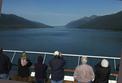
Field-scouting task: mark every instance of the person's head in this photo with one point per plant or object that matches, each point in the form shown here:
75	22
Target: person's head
24	55
57	54
1	50
40	59
104	63
83	59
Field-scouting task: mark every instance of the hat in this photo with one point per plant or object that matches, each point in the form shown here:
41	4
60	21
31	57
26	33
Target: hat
84	59
57	53
104	63
24	55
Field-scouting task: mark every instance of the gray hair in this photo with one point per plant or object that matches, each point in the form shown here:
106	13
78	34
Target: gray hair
84	59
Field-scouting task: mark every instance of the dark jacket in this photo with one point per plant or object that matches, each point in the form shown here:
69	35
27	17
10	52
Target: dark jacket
57	68
24	71
101	74
5	64
40	69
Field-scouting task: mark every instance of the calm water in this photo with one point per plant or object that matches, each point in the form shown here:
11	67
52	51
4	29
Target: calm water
76	41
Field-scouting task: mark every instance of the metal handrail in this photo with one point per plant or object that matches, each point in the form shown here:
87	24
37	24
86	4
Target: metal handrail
49	53
73	55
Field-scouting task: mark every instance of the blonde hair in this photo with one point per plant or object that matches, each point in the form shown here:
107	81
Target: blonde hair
24	55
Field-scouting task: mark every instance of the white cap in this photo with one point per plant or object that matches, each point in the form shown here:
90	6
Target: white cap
56	53
104	63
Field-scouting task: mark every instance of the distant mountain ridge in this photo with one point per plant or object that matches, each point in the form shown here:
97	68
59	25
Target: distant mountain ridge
78	22
14	21
106	22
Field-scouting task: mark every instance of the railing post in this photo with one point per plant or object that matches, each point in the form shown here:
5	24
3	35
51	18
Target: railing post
78	60
45	55
115	67
13	57
114	64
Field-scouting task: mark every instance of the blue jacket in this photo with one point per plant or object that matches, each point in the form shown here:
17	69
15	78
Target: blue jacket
57	68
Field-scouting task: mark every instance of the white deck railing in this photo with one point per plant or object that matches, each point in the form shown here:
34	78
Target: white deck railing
48	53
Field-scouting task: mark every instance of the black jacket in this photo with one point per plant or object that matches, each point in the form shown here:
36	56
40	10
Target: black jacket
24	71
101	74
40	69
57	68
5	64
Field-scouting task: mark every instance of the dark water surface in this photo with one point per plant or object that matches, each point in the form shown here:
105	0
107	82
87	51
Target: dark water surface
76	41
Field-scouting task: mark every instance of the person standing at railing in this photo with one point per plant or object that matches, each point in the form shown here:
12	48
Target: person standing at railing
57	68
23	67
40	70
84	73
5	65
102	71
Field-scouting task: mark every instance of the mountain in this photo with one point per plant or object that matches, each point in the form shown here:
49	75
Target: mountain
106	22
78	22
13	21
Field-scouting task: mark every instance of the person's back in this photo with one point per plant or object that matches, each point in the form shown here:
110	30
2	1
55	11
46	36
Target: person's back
84	72
102	72
40	70
5	65
57	68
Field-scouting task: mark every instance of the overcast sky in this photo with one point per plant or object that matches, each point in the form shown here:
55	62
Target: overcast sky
60	12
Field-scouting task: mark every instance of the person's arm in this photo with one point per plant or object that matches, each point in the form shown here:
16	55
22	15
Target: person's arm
92	74
76	73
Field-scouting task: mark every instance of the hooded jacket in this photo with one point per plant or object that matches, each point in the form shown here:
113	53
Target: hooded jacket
102	73
40	69
24	71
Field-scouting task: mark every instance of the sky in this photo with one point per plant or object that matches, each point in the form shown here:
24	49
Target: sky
60	12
